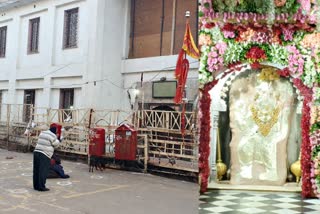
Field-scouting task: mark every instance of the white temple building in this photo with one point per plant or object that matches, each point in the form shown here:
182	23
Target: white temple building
91	53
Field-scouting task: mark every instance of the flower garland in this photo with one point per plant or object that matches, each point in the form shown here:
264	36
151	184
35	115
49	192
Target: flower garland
305	144
300	59
315	171
289	6
315	142
267	12
204	148
237	32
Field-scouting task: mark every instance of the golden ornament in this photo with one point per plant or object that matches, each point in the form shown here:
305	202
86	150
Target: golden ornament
269	74
265	126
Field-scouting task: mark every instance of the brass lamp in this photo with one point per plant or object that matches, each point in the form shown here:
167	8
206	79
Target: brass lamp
221	167
295	168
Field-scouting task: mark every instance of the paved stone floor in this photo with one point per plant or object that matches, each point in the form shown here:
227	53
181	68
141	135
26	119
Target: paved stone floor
241	202
110	191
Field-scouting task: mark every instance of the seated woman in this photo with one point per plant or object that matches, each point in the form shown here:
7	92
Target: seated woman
56	170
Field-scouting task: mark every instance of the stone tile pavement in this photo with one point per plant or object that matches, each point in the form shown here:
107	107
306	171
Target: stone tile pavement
110	191
251	202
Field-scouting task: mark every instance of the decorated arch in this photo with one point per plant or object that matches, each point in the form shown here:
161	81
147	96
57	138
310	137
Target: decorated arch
237	35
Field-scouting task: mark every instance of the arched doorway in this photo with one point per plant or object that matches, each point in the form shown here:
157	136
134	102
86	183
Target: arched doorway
259	125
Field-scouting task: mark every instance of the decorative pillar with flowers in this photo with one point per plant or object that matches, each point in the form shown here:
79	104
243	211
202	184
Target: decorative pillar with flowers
282	32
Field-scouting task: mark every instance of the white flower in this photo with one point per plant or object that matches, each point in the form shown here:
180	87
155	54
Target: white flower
210	79
225	89
203	48
310	72
223	95
279	54
201	76
216	34
202	66
228	83
317	93
233	52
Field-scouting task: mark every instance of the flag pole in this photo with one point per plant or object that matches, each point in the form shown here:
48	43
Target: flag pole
184	96
182	68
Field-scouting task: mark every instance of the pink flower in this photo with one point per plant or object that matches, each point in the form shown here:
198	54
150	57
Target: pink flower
214	60
291	57
228	34
300	61
213	54
305	5
210	61
221	46
288	34
291	48
296	61
313	139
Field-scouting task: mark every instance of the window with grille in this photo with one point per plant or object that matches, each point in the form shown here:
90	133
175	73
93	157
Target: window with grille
66	102
66	98
29	100
33	42
3	41
70	33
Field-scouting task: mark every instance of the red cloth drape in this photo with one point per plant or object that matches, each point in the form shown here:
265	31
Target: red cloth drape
182	69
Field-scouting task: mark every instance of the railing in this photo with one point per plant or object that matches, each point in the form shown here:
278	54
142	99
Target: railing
76	123
164	120
167	146
15	113
172	143
107	117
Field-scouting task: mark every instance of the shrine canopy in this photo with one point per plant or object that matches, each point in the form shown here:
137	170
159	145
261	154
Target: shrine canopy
282	33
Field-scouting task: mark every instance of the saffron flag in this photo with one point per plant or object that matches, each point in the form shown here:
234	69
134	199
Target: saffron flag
188	43
182	67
